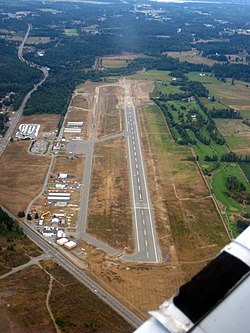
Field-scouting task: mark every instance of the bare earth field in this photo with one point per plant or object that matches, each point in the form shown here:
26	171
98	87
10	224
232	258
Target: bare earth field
109	207
110	112
74	308
22	176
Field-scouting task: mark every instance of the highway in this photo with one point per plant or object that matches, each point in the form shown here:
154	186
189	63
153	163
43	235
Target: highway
128	315
146	244
5	140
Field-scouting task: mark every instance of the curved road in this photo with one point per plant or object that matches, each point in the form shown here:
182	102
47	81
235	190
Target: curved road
4	141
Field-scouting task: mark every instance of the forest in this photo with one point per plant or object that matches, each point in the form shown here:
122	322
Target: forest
150	31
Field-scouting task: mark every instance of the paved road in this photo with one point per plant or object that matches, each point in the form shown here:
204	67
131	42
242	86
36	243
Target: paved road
80	275
4	141
146	244
32	261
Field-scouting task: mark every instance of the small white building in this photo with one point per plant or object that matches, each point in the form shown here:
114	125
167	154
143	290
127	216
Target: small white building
62	175
70	245
62	241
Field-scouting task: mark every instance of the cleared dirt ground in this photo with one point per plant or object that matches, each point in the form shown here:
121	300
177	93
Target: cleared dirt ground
21	176
110	110
110	216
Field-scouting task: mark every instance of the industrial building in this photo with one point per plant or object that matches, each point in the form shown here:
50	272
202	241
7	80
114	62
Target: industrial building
75	123
72	130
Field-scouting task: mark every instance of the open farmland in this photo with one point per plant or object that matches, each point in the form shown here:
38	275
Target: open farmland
236	96
236	133
110	113
22	176
110	217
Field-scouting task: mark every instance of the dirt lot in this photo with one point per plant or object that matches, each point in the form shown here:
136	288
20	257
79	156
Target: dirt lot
74	308
22	176
110	208
110	110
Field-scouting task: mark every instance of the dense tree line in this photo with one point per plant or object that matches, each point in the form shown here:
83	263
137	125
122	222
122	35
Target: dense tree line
242	225
8	226
232	157
227	113
3	119
16	76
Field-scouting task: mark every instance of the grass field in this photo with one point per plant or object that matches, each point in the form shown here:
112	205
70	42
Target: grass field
246	169
236	96
219	188
152	75
237	134
196	229
71	32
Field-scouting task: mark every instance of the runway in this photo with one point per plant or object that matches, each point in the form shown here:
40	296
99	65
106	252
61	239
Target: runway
146	243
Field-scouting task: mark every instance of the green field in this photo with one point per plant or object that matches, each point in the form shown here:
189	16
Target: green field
246	169
152	75
218	170
71	32
219	188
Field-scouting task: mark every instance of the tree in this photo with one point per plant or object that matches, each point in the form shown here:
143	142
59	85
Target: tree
21	214
29	217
